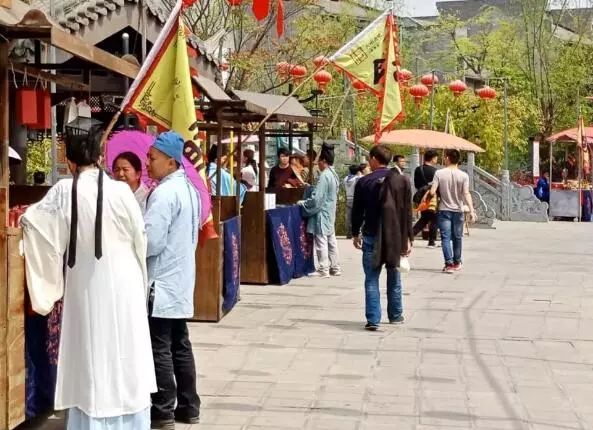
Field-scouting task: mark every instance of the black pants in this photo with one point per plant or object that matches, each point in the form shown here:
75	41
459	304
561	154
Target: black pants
175	370
427	217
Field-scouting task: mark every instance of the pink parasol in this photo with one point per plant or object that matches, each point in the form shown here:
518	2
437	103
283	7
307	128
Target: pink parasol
139	143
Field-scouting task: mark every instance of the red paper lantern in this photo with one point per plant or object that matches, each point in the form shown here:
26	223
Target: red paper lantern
26	106
419	92
43	111
320	61
298	73
323	78
457	87
429	80
358	85
486	93
405	76
283	69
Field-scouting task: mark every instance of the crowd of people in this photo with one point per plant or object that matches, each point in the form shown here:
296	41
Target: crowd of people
101	232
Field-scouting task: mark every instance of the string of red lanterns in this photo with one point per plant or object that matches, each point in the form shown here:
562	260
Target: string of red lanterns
486	93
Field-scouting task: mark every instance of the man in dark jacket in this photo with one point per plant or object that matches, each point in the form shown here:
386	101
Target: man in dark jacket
368	208
423	176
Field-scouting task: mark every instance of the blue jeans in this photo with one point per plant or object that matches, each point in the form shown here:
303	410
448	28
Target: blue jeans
451	226
371	286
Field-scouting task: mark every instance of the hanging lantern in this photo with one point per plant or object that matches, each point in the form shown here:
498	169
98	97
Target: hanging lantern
323	78
486	93
457	87
320	61
298	73
358	85
233	3
429	80
419	92
405	76
283	69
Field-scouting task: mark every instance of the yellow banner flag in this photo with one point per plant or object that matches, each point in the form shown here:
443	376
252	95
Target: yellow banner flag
166	96
390	103
362	58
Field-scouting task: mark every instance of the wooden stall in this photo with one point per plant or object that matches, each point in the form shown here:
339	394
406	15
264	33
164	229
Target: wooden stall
18	20
237	111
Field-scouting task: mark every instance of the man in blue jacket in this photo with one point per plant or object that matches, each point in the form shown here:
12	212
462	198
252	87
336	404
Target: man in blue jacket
172	225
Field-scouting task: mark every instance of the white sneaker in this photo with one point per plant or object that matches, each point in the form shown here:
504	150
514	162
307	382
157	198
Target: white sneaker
318	275
335	272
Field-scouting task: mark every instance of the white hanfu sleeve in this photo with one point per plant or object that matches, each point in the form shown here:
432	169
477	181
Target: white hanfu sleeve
45	238
138	232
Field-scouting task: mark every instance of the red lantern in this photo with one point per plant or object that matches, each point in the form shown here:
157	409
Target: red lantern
43	111
298	73
323	78
26	106
457	87
320	61
405	76
358	85
419	92
429	80
486	93
283	69
233	3
187	3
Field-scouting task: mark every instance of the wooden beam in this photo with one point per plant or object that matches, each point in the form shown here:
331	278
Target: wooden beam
77	47
62	81
4	172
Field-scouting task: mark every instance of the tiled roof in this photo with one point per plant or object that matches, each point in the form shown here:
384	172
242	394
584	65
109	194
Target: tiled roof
73	15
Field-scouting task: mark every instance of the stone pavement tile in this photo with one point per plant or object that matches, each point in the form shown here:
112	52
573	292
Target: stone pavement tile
329	423
246	389
500	424
214	427
275	403
280	418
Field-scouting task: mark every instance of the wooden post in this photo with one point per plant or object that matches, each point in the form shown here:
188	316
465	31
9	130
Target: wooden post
4	173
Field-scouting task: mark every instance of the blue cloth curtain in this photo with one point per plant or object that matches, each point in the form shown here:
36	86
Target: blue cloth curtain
291	248
231	263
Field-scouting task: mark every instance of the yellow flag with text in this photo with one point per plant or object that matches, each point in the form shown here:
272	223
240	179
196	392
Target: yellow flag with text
362	58
166	96
390	103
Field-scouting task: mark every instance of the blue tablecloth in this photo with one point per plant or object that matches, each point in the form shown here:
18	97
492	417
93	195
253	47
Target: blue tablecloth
290	247
587	202
231	263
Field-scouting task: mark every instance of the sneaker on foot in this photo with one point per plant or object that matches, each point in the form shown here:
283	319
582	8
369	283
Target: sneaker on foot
448	269
318	275
457	267
335	272
398	320
432	246
371	327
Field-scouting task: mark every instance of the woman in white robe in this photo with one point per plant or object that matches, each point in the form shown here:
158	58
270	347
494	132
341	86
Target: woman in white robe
105	368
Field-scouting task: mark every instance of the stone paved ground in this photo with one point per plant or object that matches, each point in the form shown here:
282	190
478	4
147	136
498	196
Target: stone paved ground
506	344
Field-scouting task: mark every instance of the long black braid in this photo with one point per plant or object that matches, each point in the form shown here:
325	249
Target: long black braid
85	150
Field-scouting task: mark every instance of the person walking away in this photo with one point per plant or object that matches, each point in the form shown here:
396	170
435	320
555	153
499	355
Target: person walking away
249	172
320	208
349	184
423	177
367	210
127	168
172	226
400	163
105	371
452	185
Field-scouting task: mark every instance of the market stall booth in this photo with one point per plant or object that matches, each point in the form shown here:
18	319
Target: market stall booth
274	244
569	167
25	337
